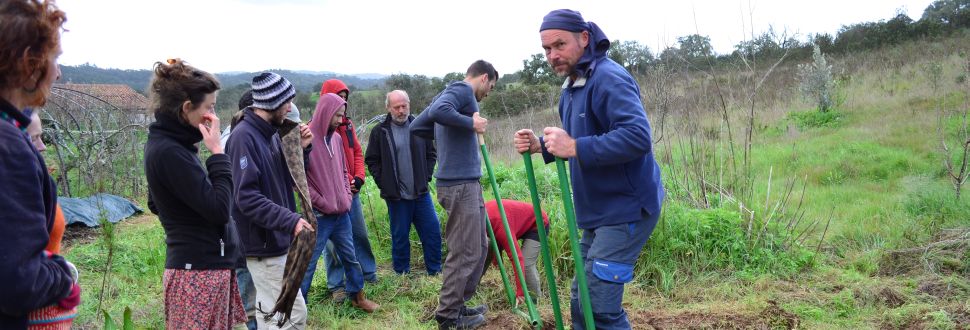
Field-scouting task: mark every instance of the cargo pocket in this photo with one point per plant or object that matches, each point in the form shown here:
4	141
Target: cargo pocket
611	271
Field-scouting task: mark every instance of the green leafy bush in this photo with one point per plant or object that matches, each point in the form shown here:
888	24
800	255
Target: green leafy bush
816	119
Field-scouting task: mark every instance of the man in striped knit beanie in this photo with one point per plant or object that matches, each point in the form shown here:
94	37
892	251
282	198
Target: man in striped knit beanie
262	188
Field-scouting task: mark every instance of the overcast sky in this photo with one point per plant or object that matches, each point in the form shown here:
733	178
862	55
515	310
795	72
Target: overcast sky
415	37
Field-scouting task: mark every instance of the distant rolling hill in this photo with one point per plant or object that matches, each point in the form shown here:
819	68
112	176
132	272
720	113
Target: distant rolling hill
304	81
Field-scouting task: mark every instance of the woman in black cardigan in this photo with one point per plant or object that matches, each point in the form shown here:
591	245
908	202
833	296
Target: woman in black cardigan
192	202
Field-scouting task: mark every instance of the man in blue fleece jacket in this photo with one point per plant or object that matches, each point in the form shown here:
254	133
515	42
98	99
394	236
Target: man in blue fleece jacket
606	138
453	121
263	193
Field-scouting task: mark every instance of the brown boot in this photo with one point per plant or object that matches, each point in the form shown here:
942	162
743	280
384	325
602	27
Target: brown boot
360	301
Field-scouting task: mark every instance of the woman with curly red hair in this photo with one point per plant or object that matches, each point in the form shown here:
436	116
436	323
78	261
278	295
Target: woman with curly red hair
31	278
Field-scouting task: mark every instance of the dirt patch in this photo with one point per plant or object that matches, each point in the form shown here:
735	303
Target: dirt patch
772	317
549	319
942	289
778	318
891	297
506	319
911	323
934	288
700	320
501	320
78	234
879	295
946	255
960	317
952	234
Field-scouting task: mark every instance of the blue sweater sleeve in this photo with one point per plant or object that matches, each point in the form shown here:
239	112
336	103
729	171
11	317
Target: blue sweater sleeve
444	110
251	202
422	126
616	104
28	279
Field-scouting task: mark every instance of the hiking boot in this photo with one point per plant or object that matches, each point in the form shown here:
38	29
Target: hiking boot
477	310
359	300
463	322
338	295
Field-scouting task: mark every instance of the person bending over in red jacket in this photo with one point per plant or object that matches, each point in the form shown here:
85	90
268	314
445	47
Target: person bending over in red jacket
522	224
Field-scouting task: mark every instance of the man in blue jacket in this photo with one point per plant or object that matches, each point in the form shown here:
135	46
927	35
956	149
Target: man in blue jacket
452	120
263	193
606	139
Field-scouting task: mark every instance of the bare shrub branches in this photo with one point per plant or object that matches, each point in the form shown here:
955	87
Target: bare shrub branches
956	172
98	146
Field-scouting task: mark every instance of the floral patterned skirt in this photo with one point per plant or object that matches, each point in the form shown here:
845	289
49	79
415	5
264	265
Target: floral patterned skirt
202	299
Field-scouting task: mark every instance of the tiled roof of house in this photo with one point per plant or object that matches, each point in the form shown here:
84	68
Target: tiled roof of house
118	95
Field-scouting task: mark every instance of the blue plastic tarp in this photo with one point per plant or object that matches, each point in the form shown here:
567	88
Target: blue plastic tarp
90	210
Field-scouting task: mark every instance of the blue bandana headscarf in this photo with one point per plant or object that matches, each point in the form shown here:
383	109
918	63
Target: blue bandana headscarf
572	21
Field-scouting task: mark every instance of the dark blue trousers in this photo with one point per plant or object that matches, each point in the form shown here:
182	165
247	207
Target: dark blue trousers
419	212
610	252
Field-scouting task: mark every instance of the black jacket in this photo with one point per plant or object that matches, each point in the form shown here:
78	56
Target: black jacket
192	205
28	279
380	160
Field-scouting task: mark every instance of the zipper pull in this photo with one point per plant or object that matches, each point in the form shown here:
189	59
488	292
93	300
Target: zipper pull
222	248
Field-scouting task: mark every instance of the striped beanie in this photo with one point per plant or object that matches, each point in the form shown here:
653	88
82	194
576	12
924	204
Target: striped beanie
270	91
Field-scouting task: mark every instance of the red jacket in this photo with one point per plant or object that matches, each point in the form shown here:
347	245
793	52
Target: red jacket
352	149
522	219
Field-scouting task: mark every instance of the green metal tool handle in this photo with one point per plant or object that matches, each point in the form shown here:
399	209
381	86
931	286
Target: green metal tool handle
567	202
543	240
533	312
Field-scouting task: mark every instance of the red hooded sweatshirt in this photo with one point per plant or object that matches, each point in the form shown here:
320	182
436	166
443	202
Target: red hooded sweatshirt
522	219
352	148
